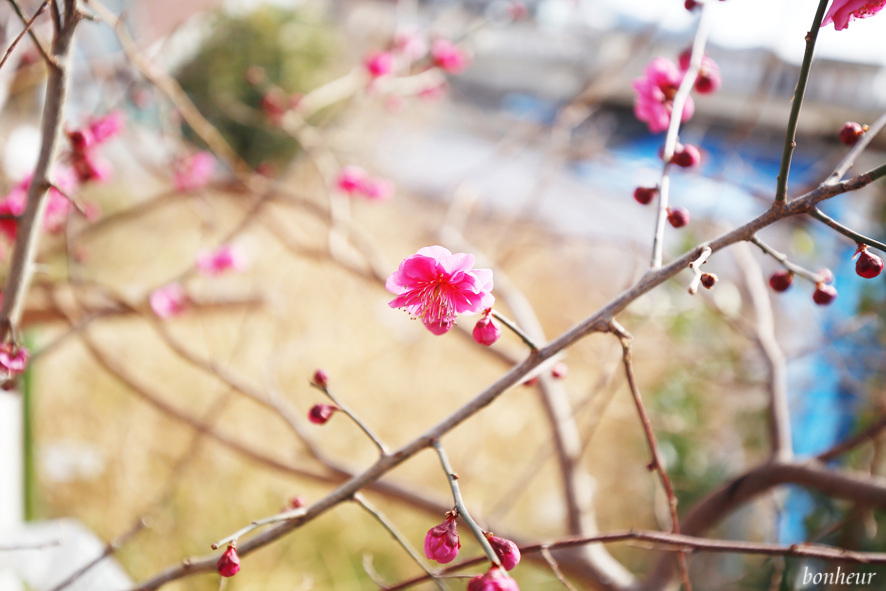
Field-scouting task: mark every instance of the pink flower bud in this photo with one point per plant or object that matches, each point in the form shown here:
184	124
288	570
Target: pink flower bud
376	189
645	195
495	579
486	331
824	294
868	265
194	171
229	563
517	11
441	541
507	551
320	413
321	378
379	63
825	276
781	280
104	128
296	502
678	216
686	156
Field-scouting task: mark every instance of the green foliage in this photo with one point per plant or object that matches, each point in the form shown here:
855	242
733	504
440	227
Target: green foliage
292	46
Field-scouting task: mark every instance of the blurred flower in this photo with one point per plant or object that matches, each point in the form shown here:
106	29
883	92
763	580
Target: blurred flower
507	551
645	195
106	127
321	378
449	56
843	12
224	258
678	216
13	358
559	371
194	171
486	331
655	95
441	541
851	132
495	579
708	79
409	43
378	189
379	63
229	563
781	280
86	162
436	285
686	156
169	300
57	208
351	179
90	166
824	294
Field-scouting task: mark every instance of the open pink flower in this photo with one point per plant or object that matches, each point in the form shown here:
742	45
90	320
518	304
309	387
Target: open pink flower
436	285
655	95
495	579
169	300
449	56
194	172
843	12
224	258
441	541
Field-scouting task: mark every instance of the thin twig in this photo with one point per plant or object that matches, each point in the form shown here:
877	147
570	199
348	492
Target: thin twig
841	229
862	143
664	183
790	136
452	477
25	31
783	259
288	515
382	448
696	268
657	464
555	567
868	434
43	52
110	549
512	326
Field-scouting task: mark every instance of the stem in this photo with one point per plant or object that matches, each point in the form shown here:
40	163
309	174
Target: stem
382	448
24	252
790	135
656	464
840	228
515	329
783	259
279	517
701	35
696	268
25	31
460	504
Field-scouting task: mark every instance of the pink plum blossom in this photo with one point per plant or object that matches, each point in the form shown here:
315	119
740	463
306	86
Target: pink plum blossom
436	285
495	579
169	300
13	358
194	172
410	44
843	12
91	166
224	258
379	63
84	158
449	57
709	79
106	127
441	541
655	95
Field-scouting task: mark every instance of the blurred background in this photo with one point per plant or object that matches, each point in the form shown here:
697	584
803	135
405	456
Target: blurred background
528	159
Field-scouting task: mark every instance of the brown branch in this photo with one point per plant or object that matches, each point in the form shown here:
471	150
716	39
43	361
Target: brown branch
26	30
868	434
657	464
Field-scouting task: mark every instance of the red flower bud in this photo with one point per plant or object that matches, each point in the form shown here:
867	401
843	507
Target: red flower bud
686	156
321	378
709	280
868	265
678	216
229	563
781	280
851	132
645	195
824	294
320	413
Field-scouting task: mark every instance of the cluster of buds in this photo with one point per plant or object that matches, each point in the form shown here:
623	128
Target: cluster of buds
85	160
319	414
824	293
